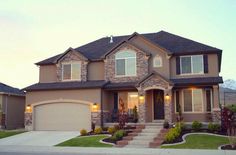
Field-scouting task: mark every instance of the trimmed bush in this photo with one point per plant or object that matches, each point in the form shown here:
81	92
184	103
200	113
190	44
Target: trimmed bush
172	134
98	130
119	134
83	132
196	126
213	127
111	130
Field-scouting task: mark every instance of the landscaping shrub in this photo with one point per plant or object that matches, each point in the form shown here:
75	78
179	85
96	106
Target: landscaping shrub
104	128
172	134
111	130
213	127
166	125
196	126
83	132
98	130
232	108
119	134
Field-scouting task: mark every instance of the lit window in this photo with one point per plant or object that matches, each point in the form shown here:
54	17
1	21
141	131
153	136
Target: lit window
157	61
71	71
193	100
192	64
126	63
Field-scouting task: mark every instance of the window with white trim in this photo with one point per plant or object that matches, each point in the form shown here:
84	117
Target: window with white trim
191	64
125	63
71	71
157	61
193	100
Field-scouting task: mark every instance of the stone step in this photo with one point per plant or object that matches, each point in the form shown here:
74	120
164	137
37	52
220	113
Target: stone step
151	130
154	124
128	138
148	134
150	138
139	142
133	134
152	127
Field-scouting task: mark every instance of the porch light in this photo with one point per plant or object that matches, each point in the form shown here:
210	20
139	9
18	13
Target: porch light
95	106
167	96
141	97
28	108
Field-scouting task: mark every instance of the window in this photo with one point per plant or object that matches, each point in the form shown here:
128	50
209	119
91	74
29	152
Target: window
192	64
157	61
208	100
192	100
125	63
71	71
130	99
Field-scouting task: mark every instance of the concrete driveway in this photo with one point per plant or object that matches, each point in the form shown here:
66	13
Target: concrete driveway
39	138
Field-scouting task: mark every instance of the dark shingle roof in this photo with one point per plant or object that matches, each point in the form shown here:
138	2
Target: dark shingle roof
66	85
173	43
123	85
197	81
5	89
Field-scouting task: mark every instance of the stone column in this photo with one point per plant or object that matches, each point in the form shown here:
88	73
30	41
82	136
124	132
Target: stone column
216	105
28	121
142	107
96	118
168	105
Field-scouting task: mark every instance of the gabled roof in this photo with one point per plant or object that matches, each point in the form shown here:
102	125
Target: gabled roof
172	43
197	81
5	89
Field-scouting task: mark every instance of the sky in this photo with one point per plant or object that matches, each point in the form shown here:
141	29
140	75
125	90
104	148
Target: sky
31	31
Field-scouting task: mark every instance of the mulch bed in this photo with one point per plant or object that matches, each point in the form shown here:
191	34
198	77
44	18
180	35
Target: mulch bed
228	147
186	131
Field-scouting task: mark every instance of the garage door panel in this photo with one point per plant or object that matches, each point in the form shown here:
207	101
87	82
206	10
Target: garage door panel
62	116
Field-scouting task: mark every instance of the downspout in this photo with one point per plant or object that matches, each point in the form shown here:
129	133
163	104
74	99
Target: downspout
101	108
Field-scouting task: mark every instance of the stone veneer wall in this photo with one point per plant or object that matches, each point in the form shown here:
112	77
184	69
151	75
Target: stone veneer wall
28	121
70	57
141	69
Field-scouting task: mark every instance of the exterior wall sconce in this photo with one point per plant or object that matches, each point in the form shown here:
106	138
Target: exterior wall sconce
28	109
141	97
95	106
167	97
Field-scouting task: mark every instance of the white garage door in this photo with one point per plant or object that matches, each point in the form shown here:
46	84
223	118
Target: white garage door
62	117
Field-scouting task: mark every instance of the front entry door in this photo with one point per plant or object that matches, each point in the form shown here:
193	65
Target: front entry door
158	104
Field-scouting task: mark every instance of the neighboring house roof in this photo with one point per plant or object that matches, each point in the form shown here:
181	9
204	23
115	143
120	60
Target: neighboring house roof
5	89
197	81
175	44
66	85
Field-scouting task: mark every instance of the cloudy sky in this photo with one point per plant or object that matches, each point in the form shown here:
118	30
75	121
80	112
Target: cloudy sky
31	31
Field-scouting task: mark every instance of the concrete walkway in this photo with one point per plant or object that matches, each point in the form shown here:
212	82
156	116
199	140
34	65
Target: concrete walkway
39	138
107	151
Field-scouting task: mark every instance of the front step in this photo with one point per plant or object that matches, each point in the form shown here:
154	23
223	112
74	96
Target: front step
139	142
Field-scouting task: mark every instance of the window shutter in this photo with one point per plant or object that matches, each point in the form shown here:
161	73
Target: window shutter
205	59
177	65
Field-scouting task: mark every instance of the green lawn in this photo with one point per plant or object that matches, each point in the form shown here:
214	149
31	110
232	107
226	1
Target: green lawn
90	141
201	141
4	134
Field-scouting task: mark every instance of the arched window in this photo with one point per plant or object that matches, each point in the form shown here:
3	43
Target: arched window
157	61
125	63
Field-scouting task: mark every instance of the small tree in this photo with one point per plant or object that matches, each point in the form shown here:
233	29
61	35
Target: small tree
135	113
122	115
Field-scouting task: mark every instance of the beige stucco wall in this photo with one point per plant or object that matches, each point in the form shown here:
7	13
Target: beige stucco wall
212	68
82	95
14	107
96	70
154	50
47	73
149	106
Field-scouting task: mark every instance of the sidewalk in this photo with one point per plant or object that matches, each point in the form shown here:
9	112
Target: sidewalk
111	151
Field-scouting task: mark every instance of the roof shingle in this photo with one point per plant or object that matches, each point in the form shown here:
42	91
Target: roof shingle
5	89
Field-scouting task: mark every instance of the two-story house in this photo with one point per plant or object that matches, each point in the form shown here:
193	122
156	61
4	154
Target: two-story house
159	73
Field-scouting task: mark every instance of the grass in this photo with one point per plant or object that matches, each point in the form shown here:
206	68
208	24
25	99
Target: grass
88	141
4	134
201	141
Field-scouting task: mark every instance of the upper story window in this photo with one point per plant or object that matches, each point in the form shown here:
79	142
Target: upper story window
191	64
125	63
71	71
157	61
